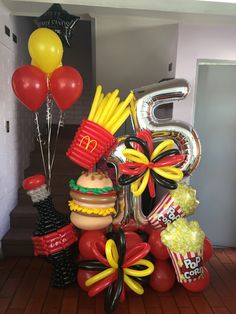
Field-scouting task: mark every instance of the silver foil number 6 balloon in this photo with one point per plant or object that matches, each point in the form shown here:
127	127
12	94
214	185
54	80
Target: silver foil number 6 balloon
148	99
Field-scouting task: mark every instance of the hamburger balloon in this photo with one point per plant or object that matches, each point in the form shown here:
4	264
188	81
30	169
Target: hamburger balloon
93	201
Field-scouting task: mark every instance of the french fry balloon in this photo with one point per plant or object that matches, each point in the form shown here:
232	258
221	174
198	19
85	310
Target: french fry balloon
45	49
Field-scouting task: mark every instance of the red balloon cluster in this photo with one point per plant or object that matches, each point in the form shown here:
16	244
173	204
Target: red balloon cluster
31	87
163	278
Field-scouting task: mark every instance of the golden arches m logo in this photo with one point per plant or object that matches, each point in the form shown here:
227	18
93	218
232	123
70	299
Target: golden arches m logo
87	141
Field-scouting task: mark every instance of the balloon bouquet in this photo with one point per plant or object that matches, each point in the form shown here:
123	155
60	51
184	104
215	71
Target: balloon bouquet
124	243
47	80
124	246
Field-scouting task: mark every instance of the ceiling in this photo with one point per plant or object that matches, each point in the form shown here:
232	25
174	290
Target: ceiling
210	11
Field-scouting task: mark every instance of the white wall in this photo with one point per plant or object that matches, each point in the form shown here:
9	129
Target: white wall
200	42
133	51
215	179
16	145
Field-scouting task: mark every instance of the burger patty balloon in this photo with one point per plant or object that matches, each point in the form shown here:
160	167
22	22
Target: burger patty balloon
93	201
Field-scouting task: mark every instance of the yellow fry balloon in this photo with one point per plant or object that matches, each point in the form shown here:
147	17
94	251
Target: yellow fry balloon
95	102
45	49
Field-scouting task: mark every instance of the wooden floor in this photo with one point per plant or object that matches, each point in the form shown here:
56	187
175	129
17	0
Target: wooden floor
25	288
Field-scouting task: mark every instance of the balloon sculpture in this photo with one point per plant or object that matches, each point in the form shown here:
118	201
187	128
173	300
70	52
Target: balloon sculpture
125	243
54	237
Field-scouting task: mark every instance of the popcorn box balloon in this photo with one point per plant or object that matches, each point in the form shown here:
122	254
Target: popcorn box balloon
188	267
165	212
178	203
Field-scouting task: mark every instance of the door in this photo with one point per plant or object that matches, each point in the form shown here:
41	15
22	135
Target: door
215	179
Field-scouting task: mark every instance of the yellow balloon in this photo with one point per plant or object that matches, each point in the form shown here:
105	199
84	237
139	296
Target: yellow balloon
105	273
140	273
49	74
134	285
112	253
45	49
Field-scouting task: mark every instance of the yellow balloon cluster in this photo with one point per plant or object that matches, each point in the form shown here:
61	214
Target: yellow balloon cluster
108	111
182	236
112	257
167	172
45	49
185	197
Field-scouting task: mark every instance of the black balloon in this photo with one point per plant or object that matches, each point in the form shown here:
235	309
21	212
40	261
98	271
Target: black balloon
60	21
139	141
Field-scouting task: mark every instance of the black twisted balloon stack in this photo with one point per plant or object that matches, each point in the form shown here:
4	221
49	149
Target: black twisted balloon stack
54	237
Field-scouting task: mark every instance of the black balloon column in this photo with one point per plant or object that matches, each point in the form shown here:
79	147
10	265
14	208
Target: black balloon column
54	236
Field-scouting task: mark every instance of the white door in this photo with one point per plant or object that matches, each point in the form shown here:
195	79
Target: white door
215	179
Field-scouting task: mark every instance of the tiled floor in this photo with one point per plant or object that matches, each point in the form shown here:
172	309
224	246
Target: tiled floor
24	288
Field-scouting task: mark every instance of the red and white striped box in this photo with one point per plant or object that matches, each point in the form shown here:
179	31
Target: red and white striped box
165	212
188	267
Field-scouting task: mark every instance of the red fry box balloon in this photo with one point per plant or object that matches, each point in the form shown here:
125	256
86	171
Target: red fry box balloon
199	284
163	278
158	249
30	86
66	86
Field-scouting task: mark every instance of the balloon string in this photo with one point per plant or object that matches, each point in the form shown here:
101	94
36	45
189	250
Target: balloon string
40	142
49	124
60	125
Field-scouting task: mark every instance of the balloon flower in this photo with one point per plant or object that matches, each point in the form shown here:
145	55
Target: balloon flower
95	135
177	203
143	167
185	241
118	266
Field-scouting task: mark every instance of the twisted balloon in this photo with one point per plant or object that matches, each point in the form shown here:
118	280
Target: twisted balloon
144	167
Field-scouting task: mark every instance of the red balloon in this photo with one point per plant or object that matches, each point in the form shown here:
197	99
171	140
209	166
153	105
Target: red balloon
148	228
132	238
66	86
158	249
86	243
102	284
129	226
34	182
199	284
163	278
207	250
84	275
30	86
